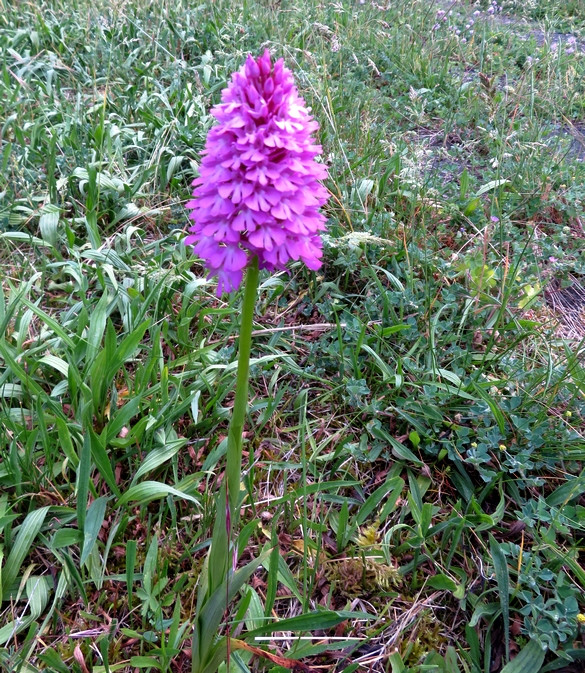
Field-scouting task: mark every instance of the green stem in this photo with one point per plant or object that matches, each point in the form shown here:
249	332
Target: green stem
234	450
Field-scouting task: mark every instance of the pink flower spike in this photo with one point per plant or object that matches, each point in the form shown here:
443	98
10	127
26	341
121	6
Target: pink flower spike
259	192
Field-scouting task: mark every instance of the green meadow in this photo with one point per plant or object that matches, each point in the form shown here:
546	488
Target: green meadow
413	463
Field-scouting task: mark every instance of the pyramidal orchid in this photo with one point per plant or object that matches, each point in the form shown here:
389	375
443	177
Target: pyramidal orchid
255	206
259	191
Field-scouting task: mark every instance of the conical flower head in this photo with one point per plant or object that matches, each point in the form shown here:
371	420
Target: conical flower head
259	189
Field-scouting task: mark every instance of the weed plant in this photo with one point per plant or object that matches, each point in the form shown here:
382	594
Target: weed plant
415	438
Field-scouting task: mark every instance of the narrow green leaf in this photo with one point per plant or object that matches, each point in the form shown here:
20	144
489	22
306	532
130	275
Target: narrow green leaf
463	184
122	418
126	349
219	559
313	621
102	461
97	326
65	442
496	411
93	523
50	322
82	485
272	582
398	448
503	581
130	566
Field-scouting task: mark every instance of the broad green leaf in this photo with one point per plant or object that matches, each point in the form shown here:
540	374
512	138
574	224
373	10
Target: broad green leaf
21	236
471	207
285	575
528	660
23	543
151	490
442	583
159	456
255	612
396	663
13	627
482	610
561	662
568	491
56	363
145	662
211	613
49	223
493	184
102	180
66	537
498	415
37	593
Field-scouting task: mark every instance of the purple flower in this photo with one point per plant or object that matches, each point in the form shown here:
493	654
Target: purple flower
258	193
